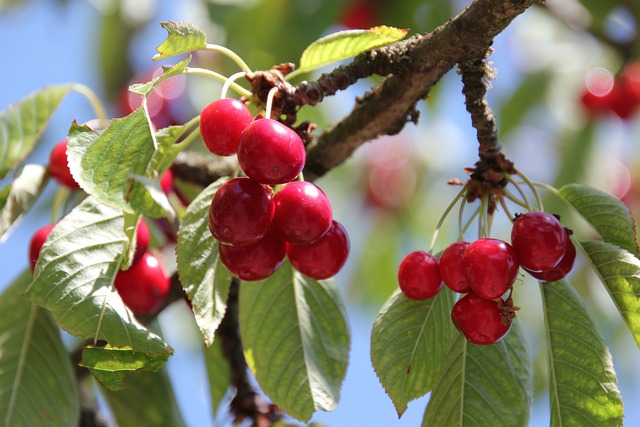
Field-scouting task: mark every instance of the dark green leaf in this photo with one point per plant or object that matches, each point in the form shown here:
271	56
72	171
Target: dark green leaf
22	123
583	388
146	88
37	382
409	342
182	37
218	372
296	340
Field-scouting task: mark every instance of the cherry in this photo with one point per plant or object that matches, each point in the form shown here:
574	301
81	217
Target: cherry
419	276
479	319
37	240
323	258
59	167
539	240
257	261
241	212
451	268
144	285
270	152
491	267
359	14
303	213
143	237
596	97
562	269
166	181
221	124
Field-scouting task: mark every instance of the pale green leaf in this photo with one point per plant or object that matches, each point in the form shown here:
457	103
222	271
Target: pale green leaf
182	37
23	193
483	385
146	88
147	197
103	162
74	279
607	214
346	44
109	365
22	123
619	271
583	390
409	342
37	382
203	276
296	340
218	373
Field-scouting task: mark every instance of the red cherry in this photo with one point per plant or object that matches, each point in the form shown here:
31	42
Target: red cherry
418	276
491	267
597	95
37	240
221	124
59	167
562	269
451	268
241	212
257	261
166	181
359	14
143	238
303	213
144	285
323	258
270	152
539	240
479	319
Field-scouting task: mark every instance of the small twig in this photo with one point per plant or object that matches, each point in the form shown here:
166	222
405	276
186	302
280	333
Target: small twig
202	168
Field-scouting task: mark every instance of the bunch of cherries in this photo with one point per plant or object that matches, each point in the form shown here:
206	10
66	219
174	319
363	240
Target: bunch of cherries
263	217
605	93
486	269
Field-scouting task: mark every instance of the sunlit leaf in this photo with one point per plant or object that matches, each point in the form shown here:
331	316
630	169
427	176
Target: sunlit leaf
203	276
146	88
147	197
620	273
583	388
484	385
21	195
22	123
607	214
37	382
182	37
74	279
296	340
409	342
218	372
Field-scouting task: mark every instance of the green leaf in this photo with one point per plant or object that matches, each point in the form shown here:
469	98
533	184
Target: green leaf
74	279
526	97
22	123
37	382
296	340
583	388
182	37
346	44
203	276
483	385
619	271
109	365
409	342
103	162
147	197
608	215
146	88
20	197
218	372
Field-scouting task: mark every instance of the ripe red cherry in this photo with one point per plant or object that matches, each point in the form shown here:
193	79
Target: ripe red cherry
418	275
166	181
451	269
37	240
241	212
143	237
562	269
59	167
144	286
303	213
257	261
479	319
270	152
359	14
323	258
491	266
221	124
539	240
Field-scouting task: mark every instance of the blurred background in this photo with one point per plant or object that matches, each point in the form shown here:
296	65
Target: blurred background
554	65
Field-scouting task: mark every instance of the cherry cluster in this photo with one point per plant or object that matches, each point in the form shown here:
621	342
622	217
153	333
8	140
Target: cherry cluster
263	217
605	93
486	269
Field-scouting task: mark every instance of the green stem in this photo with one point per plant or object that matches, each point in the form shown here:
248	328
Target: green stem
188	140
229	82
270	95
468	224
230	54
506	209
93	99
461	229
514	199
533	189
217	76
521	191
444	216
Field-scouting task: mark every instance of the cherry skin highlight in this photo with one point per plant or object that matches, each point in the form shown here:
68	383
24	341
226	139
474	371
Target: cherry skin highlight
479	319
221	124
59	167
37	240
144	285
562	269
419	276
491	267
539	240
451	269
254	262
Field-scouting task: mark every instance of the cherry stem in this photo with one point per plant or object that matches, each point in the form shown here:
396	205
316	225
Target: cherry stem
189	139
270	96
228	82
473	218
506	209
521	191
514	199
229	54
533	189
444	215
93	99
219	77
